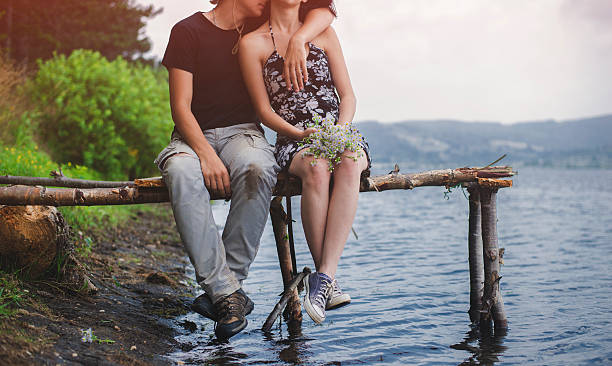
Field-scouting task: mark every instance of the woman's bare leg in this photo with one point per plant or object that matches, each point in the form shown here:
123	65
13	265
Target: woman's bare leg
341	211
315	200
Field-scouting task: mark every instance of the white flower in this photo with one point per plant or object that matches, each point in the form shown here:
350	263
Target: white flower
87	336
330	140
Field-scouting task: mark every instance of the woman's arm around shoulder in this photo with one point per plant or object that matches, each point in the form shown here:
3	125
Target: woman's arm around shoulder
254	50
328	41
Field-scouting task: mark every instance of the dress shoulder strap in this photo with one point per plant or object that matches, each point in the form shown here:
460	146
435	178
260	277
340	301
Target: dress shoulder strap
272	35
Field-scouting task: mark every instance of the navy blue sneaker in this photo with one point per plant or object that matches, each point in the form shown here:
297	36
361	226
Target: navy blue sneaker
318	288
204	306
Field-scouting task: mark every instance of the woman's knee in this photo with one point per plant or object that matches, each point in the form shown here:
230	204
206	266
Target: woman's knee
317	175
351	166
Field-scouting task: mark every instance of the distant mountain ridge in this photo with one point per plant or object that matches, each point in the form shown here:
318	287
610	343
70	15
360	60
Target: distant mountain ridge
577	143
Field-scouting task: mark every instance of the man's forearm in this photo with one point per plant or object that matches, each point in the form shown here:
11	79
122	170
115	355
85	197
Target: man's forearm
191	132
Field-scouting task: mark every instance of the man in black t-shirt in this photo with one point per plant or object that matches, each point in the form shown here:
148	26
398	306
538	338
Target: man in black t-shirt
217	147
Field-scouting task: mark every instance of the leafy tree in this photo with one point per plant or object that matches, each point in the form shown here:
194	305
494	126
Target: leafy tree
32	29
111	116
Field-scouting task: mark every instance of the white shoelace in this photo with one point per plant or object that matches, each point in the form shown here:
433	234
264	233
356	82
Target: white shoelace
321	295
336	289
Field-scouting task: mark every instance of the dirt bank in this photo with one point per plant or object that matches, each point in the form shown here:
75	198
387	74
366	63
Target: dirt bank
139	272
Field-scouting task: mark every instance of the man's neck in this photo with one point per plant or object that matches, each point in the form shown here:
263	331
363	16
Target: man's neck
285	19
228	15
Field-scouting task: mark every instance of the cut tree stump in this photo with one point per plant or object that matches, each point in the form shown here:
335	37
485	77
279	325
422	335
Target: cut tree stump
31	237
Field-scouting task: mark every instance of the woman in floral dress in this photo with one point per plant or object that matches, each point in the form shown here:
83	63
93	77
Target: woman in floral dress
327	216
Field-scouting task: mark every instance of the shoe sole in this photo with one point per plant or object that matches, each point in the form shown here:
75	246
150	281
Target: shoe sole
229	333
308	305
344	300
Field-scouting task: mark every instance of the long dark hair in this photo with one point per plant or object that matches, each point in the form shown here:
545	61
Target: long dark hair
313	4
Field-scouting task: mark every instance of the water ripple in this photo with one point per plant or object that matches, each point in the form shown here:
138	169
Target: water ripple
407	274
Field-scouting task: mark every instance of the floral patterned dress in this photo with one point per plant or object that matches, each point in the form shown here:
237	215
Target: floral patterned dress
318	97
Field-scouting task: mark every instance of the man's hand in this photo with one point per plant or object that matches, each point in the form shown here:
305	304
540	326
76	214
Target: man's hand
216	177
295	73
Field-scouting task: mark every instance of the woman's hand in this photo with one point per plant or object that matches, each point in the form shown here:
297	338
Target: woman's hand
295	73
307	132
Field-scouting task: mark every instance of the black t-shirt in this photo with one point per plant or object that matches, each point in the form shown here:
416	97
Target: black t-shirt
220	98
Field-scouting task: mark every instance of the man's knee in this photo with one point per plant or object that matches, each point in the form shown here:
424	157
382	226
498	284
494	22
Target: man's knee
181	166
257	174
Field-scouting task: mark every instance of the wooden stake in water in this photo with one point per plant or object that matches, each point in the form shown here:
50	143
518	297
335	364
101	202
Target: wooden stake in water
475	255
293	311
492	303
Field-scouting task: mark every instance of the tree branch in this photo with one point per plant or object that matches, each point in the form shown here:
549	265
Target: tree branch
152	190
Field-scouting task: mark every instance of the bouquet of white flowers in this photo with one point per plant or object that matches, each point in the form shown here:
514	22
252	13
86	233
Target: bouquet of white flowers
331	140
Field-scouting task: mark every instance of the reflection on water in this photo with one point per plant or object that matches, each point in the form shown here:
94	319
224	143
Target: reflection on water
409	281
292	347
485	345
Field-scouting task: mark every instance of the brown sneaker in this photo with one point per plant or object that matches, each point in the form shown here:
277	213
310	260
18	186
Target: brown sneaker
231	310
204	306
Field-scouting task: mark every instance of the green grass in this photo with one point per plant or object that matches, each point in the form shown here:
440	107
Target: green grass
160	254
11	294
29	160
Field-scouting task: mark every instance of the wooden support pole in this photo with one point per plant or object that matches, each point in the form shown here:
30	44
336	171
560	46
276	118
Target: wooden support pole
492	302
293	311
287	295
475	255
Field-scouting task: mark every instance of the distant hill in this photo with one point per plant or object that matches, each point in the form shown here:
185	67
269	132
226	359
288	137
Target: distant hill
577	143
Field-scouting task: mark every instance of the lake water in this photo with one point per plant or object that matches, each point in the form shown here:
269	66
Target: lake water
408	277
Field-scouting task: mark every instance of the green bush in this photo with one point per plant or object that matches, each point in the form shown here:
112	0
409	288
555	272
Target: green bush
111	116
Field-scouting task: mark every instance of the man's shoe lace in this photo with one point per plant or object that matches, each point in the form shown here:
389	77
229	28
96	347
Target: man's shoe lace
231	307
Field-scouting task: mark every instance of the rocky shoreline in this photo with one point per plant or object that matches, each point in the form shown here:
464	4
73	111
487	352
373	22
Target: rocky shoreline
138	270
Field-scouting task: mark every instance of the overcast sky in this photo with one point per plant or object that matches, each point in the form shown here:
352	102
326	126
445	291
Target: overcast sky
473	60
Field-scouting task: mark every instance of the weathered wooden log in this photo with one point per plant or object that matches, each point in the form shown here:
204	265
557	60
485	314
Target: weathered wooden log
26	195
492	302
31	239
153	189
288	294
293	312
61	181
475	258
